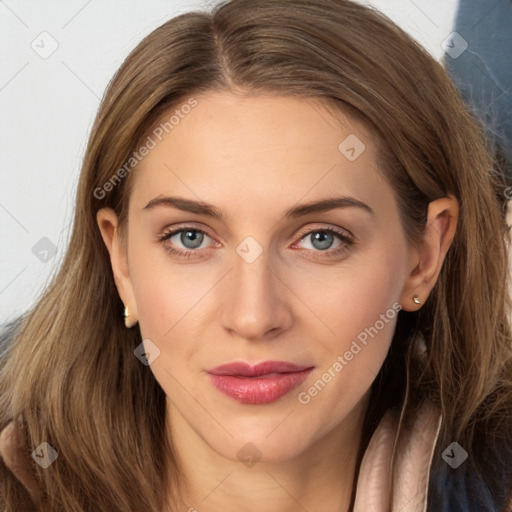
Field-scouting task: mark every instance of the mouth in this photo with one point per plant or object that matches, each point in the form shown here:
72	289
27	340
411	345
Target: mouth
258	384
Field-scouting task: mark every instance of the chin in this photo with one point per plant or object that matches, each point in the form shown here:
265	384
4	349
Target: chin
257	447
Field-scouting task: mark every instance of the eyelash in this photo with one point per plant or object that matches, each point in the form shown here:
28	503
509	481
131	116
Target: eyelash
347	241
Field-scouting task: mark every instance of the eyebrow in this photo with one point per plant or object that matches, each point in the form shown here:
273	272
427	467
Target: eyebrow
202	208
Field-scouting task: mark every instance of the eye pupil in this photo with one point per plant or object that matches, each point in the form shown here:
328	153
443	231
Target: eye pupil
191	236
325	240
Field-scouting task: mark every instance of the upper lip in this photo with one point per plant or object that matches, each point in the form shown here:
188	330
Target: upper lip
243	369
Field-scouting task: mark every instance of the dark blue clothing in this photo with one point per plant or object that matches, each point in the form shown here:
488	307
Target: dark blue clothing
458	490
483	74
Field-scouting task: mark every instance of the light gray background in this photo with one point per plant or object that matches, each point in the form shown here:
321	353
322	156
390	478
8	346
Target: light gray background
48	105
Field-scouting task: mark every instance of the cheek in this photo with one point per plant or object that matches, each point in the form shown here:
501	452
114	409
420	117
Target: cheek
359	308
164	290
361	319
169	310
350	362
173	304
352	297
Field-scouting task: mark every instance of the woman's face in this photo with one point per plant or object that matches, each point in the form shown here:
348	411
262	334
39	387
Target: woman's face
319	288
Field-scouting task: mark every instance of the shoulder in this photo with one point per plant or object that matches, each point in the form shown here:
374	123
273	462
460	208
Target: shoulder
404	453
16	460
461	490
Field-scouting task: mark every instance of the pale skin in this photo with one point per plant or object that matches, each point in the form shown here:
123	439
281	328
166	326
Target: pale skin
253	158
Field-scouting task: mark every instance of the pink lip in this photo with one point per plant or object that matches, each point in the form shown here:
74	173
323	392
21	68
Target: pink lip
259	384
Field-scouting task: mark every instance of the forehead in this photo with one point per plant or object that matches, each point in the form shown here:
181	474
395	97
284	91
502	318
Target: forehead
236	149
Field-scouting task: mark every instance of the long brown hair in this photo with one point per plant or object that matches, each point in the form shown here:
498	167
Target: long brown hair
70	374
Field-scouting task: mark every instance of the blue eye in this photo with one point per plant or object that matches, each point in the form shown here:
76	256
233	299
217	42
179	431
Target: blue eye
322	240
190	238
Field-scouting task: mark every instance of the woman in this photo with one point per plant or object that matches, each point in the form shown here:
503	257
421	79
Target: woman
285	288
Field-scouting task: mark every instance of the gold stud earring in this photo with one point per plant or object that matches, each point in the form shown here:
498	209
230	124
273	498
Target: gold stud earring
128	323
416	300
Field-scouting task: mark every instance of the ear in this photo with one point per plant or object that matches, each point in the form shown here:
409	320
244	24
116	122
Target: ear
108	223
426	260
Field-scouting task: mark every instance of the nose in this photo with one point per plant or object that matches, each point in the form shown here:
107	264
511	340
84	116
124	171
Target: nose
256	299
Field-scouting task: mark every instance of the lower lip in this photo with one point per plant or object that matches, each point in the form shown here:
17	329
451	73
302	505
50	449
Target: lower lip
259	390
